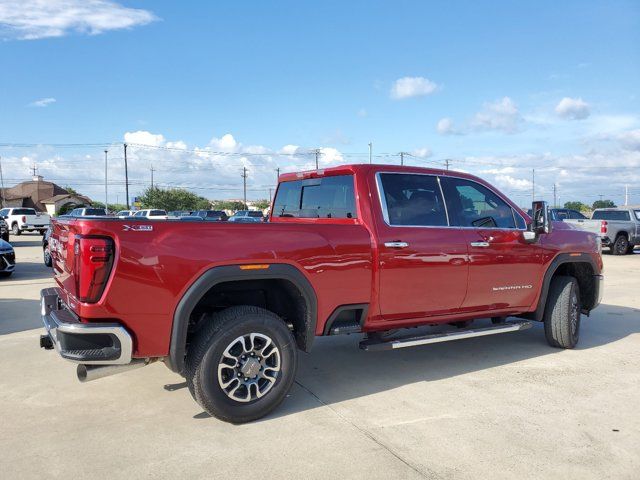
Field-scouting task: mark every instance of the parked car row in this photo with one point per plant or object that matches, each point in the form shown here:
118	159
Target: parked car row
618	227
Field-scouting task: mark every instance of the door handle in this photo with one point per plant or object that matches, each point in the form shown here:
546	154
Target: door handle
396	244
480	244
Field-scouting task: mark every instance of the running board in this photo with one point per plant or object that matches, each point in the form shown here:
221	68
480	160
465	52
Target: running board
372	344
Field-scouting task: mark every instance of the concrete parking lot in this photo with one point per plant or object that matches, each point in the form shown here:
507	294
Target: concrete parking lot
507	406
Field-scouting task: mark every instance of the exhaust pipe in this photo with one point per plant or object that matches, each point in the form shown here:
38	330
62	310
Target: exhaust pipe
87	373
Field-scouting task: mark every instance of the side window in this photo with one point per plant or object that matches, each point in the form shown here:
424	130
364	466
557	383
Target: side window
473	205
4	212
574	215
328	197
413	200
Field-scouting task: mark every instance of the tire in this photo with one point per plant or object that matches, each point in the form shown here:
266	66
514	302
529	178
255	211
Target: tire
630	249
46	257
15	230
5	274
207	371
562	313
620	246
5	237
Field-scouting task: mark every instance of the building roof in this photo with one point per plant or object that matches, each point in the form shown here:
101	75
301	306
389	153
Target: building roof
34	192
63	196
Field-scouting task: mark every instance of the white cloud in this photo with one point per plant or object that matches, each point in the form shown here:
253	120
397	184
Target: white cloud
362	113
500	115
407	87
289	149
507	181
35	19
422	152
43	102
630	140
573	108
445	127
143	137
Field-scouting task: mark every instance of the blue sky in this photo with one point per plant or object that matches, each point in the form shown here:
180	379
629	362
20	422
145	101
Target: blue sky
481	83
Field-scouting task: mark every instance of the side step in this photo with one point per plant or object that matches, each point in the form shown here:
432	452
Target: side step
342	328
372	344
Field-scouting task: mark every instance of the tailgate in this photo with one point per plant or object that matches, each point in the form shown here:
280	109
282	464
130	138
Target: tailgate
61	246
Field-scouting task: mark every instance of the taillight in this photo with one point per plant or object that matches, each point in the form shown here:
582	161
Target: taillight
94	259
603	226
24	219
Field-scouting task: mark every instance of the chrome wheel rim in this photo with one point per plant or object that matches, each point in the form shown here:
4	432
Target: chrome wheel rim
249	367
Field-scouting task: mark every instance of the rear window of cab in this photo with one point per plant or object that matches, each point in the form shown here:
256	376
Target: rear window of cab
326	197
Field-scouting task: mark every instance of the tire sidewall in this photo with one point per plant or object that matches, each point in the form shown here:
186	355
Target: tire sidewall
575	334
620	246
208	390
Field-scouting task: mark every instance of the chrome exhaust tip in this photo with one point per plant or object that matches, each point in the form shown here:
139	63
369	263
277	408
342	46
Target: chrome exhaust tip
88	373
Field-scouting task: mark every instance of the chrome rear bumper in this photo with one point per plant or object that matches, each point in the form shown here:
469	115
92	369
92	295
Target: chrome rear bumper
86	343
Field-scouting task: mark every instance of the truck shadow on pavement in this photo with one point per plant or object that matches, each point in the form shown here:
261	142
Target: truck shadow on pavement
336	370
18	314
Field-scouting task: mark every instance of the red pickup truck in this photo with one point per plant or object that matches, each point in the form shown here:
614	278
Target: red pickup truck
371	249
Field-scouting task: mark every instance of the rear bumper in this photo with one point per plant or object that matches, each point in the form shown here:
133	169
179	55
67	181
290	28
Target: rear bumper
87	343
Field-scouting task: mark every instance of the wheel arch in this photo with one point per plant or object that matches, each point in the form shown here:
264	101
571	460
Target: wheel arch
583	268
305	333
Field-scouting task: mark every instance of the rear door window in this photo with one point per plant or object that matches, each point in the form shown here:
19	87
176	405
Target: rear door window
473	205
327	197
620	215
412	200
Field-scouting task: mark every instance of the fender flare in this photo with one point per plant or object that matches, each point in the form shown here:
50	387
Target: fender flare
562	258
231	273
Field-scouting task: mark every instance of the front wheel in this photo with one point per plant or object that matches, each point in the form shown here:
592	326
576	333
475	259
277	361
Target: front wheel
620	246
562	313
241	364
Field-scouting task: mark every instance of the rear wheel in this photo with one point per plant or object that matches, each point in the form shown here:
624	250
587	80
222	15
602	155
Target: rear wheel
620	246
15	229
630	249
562	313
241	364
47	257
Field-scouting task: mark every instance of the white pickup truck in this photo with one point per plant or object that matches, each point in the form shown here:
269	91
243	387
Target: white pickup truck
25	220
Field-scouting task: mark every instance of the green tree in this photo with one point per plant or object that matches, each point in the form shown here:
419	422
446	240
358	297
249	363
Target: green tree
579	206
172	199
232	205
603	204
262	204
71	190
113	207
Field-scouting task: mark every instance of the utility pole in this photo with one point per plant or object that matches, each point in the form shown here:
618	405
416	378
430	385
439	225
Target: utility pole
244	184
34	169
370	152
106	194
402	158
126	177
270	195
317	156
277	175
626	190
555	202
446	163
1	186
152	170
533	184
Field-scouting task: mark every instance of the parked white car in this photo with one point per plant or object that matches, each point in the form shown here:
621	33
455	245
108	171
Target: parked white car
25	220
151	214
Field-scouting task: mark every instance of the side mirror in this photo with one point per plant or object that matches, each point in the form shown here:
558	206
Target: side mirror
541	218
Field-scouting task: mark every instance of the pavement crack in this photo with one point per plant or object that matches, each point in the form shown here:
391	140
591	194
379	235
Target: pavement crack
371	436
